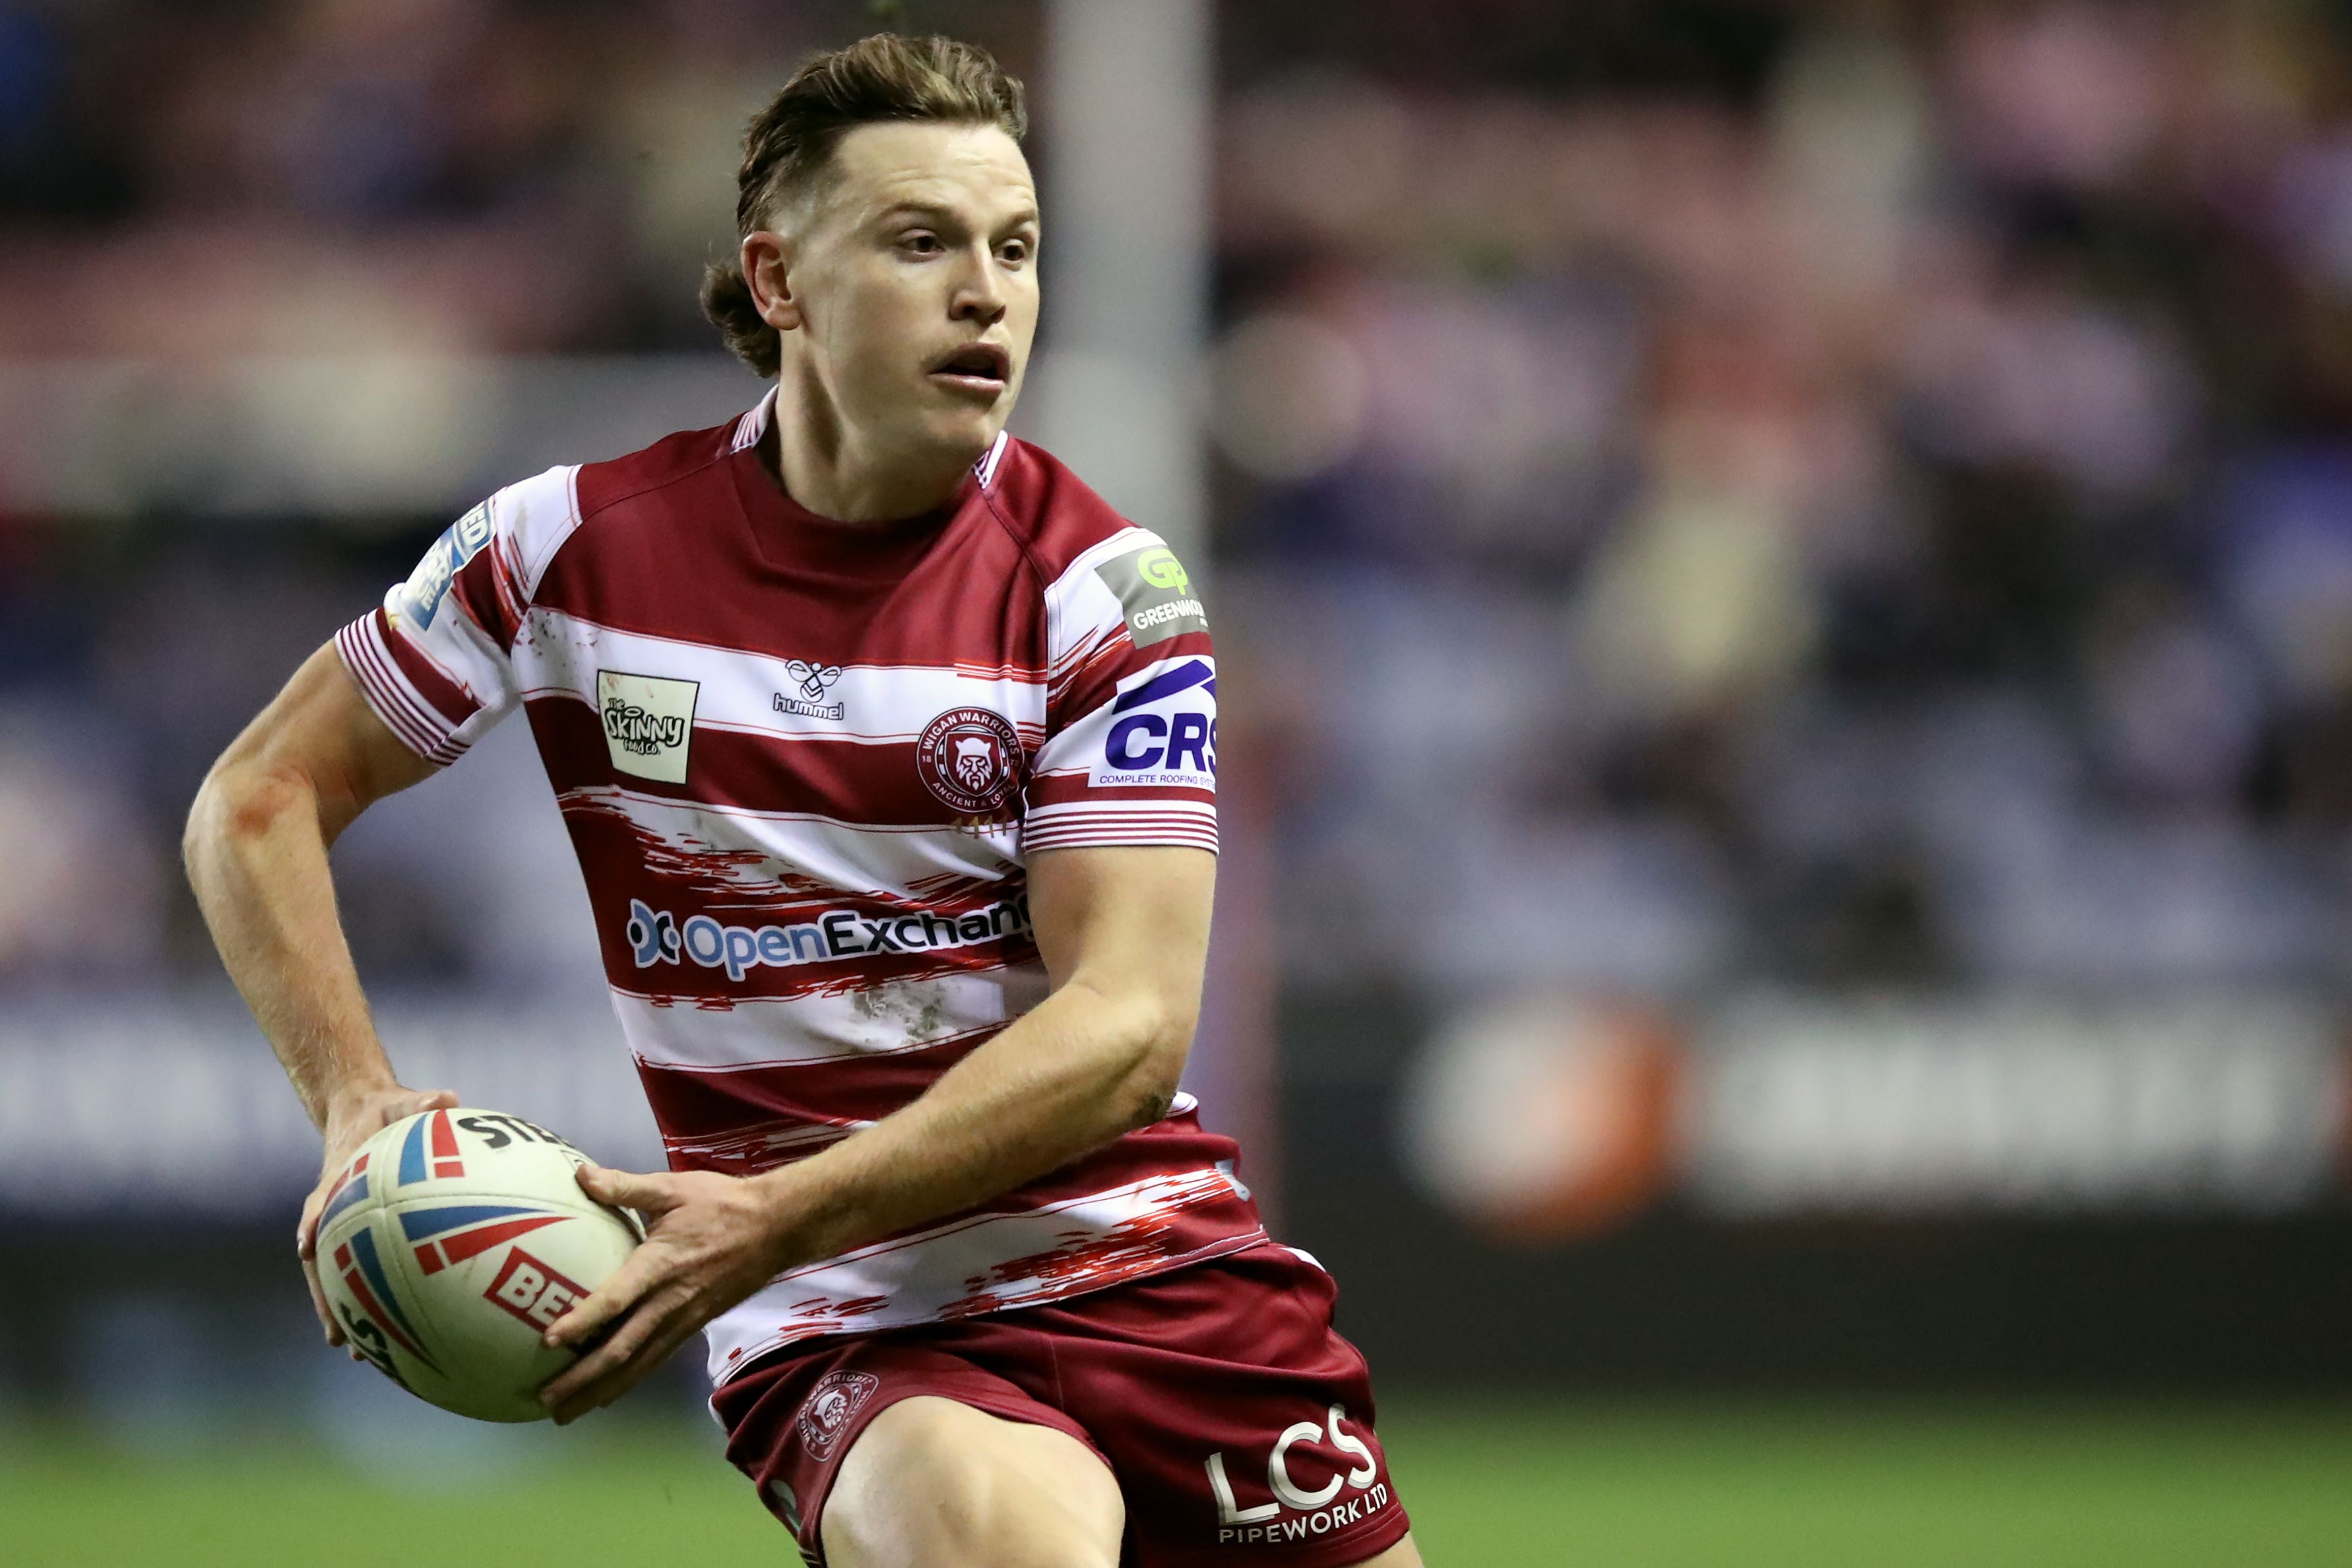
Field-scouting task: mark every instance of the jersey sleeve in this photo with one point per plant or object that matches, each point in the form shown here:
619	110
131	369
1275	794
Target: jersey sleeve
1130	748
435	658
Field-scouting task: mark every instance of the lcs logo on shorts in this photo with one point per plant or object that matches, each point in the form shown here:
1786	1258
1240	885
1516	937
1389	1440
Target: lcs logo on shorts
648	723
1163	730
1299	1512
1155	592
428	585
825	1414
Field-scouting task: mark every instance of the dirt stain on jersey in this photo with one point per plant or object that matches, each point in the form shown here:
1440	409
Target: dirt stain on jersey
919	1007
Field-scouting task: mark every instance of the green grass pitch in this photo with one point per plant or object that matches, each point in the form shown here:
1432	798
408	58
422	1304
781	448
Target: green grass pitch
1890	1485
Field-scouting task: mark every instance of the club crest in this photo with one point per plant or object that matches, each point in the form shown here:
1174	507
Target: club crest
825	1414
970	758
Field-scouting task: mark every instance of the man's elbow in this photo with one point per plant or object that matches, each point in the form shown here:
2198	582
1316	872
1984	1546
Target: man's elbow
1165	1039
239	803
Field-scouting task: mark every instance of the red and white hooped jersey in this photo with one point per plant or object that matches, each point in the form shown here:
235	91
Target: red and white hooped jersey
803	765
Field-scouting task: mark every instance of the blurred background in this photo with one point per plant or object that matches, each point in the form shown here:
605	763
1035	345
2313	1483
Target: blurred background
1785	575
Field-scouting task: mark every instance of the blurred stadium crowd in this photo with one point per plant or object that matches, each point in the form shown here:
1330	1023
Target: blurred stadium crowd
1876	512
1705	492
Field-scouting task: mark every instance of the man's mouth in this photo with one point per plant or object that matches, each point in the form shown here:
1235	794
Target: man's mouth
975	367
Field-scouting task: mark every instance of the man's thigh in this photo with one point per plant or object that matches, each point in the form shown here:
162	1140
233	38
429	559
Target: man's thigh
1239	1424
932	1483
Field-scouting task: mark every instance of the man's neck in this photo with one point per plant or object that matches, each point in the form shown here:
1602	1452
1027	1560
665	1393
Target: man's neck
817	462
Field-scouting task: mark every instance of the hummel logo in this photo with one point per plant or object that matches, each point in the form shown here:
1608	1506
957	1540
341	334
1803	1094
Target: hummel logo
815	680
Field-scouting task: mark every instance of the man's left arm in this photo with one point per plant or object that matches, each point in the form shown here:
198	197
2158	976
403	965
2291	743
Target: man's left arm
1125	936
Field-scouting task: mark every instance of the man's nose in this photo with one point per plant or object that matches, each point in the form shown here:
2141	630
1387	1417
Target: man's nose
980	293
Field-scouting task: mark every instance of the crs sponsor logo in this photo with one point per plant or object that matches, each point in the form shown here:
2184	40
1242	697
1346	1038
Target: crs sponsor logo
1301	1511
657	936
1155	594
825	1414
648	723
428	585
1163	730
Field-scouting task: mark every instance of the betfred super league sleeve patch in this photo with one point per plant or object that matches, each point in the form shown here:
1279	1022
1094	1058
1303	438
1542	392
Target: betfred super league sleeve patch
1155	593
428	585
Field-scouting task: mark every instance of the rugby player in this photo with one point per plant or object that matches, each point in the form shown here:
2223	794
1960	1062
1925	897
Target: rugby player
888	752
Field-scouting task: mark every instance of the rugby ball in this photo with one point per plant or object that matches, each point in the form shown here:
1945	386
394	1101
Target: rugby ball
451	1243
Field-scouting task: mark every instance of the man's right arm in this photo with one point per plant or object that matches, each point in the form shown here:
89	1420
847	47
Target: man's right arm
256	850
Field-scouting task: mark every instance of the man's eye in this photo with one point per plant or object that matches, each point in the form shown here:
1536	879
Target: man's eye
1014	251
922	242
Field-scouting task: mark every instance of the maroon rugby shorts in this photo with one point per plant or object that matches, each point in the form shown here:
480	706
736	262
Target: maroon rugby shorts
1238	1422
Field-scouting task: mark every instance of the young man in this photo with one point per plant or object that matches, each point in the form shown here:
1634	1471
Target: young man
888	751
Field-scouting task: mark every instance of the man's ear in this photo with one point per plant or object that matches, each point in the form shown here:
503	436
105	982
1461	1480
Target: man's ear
766	258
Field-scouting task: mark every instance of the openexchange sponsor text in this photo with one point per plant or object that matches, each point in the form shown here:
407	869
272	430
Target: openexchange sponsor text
657	936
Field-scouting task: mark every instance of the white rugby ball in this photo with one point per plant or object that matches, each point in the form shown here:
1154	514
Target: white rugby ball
451	1241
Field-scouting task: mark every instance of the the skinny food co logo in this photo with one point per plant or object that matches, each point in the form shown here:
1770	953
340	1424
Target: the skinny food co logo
648	723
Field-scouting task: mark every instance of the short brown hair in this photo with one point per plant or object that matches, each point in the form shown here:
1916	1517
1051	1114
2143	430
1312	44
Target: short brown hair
790	144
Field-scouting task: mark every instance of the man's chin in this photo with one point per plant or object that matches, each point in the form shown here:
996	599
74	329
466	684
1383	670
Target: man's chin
967	434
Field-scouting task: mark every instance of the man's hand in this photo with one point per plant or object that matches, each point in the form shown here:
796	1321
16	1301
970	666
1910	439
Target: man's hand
351	1120
711	1240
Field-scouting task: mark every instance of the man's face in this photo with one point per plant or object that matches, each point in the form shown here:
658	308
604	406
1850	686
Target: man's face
915	273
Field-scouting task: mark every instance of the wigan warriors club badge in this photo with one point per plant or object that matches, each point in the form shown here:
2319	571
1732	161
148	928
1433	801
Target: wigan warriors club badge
970	758
826	1413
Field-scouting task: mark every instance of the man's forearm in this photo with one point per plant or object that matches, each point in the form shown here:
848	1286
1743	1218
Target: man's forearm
256	856
1062	1079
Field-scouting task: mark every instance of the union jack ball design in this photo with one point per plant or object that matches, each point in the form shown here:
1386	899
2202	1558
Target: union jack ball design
451	1241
